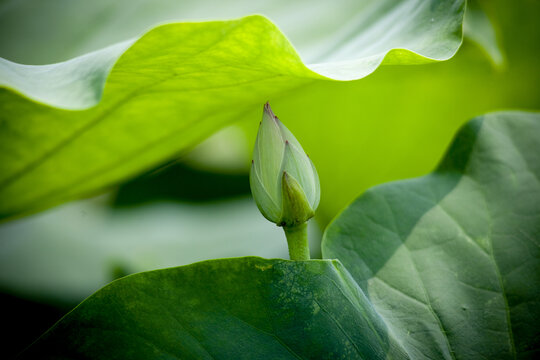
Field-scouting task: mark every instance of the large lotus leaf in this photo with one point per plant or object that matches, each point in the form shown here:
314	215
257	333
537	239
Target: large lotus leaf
169	89
451	260
245	308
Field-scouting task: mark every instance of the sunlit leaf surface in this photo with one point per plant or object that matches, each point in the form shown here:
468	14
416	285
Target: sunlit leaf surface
172	87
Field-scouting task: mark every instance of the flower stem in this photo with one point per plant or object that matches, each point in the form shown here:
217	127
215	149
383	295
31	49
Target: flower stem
298	241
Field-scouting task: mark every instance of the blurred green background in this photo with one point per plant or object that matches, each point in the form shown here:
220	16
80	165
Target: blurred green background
396	124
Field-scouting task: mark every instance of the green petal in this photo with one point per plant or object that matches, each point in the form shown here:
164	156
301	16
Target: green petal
267	155
297	164
268	207
296	208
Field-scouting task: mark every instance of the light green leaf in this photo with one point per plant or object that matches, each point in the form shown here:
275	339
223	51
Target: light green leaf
166	92
245	308
175	85
451	260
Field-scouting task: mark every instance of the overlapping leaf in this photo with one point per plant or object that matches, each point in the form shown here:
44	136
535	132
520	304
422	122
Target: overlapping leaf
451	260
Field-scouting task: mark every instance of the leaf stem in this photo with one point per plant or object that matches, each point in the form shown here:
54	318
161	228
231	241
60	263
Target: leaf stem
297	241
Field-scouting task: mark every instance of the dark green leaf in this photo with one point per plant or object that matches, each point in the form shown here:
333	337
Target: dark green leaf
245	308
451	260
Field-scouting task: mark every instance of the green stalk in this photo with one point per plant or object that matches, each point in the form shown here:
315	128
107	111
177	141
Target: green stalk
297	241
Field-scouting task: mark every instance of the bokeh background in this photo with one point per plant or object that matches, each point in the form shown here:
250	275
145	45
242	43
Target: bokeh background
395	124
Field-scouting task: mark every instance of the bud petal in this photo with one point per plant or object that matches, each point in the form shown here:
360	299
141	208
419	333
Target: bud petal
284	182
296	209
299	166
266	204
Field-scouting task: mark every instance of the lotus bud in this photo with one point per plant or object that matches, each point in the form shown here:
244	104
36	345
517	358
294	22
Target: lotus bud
283	180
